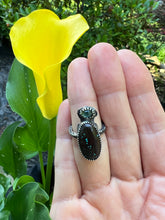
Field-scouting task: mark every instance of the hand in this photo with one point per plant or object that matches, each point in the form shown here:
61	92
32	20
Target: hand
127	181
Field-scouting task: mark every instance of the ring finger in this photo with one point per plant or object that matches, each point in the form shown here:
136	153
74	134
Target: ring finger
93	173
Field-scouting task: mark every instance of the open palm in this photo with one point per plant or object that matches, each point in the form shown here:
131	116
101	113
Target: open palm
127	181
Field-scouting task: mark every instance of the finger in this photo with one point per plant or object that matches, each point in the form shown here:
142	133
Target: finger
109	84
81	93
67	183
147	110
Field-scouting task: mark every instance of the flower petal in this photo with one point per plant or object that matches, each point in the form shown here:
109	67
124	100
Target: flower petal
51	98
41	41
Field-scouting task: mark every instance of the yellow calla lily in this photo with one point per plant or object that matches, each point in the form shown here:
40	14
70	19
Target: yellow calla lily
41	41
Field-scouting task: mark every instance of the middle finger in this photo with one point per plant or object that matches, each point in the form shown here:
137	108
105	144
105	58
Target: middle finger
109	84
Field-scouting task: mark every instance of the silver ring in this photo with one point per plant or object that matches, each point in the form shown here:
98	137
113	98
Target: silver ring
88	134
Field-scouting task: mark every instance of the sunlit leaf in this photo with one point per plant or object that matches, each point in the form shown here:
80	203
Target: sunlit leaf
5	182
19	182
11	159
27	203
22	94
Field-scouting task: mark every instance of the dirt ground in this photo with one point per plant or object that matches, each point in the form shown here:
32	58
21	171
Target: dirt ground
6	114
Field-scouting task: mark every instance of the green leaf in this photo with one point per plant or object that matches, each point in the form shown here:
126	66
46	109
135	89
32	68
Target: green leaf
27	203
2	199
19	182
5	182
149	46
155	5
4	186
22	94
4	215
11	159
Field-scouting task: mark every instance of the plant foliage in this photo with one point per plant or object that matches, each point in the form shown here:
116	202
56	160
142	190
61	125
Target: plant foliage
20	141
125	24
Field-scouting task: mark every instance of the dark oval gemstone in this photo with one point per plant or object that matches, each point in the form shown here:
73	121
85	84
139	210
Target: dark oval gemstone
89	141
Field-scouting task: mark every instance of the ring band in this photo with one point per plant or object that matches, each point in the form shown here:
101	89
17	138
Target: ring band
88	134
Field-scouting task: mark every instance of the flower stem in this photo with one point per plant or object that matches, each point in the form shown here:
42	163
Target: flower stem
51	146
42	168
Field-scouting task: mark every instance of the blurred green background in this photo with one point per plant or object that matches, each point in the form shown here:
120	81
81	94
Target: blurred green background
138	25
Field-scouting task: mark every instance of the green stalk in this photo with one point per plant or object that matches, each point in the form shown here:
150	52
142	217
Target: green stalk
42	169
51	146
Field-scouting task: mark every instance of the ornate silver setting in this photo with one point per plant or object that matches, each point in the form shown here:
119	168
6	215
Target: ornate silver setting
89	118
88	134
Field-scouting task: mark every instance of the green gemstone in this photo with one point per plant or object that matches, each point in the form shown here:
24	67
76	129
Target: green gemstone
87	113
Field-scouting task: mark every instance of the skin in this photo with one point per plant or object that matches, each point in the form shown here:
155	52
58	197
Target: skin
127	181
